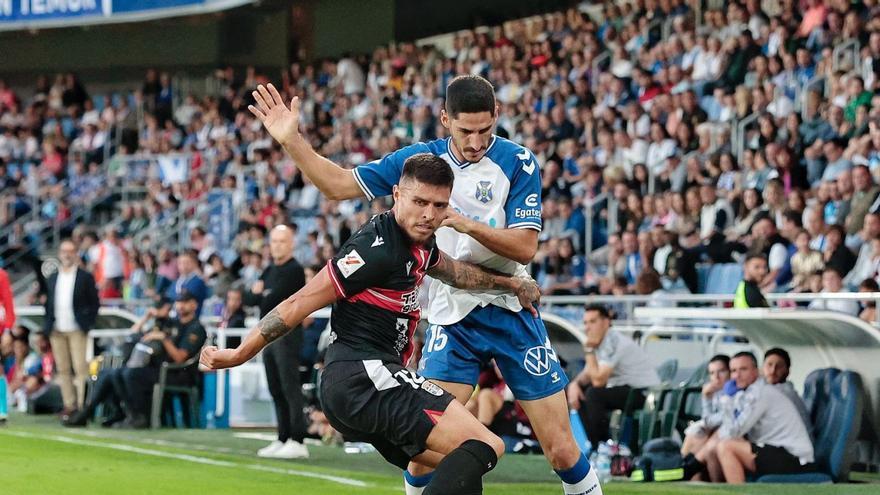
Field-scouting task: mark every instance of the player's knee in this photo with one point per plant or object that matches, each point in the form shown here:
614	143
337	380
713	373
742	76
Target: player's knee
562	453
493	441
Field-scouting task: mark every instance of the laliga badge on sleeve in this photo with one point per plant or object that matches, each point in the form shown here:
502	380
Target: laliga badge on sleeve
350	263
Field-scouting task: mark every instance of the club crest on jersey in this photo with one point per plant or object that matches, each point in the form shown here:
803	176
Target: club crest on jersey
432	388
484	191
351	263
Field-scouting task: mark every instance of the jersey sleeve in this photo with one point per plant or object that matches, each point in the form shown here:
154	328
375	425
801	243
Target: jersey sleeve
360	265
376	178
523	207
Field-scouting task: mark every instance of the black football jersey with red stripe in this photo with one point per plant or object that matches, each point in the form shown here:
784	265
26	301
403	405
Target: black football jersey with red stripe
377	274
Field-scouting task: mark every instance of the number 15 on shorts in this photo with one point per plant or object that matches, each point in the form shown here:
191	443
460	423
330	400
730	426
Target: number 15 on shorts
436	338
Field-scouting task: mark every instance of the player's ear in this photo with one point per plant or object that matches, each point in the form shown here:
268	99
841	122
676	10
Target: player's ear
395	192
444	118
497	110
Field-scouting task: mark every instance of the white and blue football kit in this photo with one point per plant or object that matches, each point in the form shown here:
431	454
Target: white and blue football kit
469	328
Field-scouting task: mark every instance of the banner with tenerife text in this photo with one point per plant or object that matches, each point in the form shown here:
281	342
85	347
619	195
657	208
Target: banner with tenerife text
42	14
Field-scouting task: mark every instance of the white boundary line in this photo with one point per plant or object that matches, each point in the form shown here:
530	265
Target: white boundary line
187	457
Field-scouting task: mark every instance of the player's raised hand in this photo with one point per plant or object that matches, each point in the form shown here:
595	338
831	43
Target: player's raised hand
528	293
281	121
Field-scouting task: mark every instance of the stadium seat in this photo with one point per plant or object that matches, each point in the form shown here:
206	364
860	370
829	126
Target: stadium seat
667	370
835	403
723	278
163	392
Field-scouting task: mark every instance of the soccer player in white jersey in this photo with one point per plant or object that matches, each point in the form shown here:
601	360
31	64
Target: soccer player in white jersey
495	223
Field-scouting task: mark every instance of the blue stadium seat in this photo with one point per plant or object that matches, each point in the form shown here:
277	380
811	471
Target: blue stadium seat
723	278
835	401
702	278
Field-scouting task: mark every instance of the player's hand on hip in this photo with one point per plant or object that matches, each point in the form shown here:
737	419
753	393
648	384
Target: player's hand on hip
215	359
529	294
281	122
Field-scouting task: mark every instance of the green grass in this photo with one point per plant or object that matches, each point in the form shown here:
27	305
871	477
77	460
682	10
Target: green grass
39	457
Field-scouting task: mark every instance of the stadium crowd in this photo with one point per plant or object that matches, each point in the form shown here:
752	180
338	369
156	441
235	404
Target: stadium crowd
642	177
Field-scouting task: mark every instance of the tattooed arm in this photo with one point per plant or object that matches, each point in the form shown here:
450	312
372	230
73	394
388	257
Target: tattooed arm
316	294
470	276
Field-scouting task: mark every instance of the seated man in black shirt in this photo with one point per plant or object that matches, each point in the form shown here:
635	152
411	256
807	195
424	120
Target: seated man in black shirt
184	338
109	387
373	284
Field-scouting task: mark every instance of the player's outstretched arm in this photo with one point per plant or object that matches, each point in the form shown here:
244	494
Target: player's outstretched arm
465	275
316	294
282	122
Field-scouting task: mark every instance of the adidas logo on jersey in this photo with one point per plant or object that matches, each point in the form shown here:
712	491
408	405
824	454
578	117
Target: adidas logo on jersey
378	242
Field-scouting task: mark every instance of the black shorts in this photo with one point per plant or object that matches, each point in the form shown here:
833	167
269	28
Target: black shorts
384	404
776	460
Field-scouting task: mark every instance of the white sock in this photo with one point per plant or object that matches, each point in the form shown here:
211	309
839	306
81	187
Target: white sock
412	490
587	486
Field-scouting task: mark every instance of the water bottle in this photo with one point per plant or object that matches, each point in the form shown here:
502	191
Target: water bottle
210	422
603	463
4	405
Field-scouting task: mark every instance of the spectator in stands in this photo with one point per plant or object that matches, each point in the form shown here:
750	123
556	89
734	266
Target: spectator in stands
865	265
832	283
615	366
7	303
233	310
768	241
863	198
279	281
778	441
71	310
869	313
107	262
183	341
804	262
188	279
701	434
109	388
748	292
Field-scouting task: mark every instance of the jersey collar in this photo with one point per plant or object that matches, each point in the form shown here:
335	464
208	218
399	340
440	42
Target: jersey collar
463	164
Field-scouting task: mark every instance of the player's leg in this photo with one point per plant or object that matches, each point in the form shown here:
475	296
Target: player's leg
735	457
470	450
489	403
530	366
450	359
550	422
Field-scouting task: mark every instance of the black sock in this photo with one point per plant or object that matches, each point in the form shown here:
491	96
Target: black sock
692	466
461	472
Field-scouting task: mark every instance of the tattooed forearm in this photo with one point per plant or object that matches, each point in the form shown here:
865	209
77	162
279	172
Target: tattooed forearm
468	276
272	327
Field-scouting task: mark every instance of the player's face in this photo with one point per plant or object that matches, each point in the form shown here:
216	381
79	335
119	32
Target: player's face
775	370
596	325
471	132
419	208
743	371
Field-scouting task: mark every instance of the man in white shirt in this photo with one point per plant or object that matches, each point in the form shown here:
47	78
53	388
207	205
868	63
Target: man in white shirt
71	309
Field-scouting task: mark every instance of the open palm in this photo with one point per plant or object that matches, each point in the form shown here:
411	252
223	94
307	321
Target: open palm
281	122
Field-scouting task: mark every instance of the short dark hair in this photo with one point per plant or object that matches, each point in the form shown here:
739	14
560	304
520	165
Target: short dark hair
599	308
469	94
778	351
721	358
754	255
428	168
748	355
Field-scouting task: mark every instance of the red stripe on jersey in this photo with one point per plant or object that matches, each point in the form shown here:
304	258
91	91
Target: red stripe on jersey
433	415
336	285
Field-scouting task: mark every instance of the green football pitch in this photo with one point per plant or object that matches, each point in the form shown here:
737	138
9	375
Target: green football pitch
41	458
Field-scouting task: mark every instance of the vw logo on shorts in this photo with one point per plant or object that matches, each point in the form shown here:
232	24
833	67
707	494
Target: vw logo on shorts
537	360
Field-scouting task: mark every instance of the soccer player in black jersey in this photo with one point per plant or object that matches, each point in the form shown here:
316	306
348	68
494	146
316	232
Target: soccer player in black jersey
373	284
